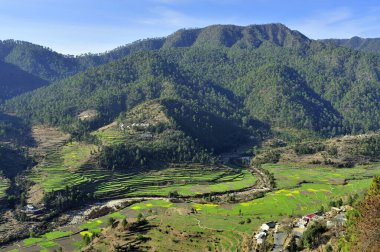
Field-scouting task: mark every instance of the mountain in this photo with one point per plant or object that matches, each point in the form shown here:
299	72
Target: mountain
236	36
14	81
49	66
119	86
371	45
254	75
37	60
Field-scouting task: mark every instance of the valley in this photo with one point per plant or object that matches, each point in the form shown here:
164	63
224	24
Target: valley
191	142
182	202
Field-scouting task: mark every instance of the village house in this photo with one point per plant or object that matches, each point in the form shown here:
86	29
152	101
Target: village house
260	237
268	225
302	222
305	220
30	209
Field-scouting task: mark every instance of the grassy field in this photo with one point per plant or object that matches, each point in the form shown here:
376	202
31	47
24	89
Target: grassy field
290	175
222	227
302	189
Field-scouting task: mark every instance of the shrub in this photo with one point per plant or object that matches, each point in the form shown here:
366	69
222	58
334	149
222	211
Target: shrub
110	221
124	223
308	148
333	151
311	237
86	239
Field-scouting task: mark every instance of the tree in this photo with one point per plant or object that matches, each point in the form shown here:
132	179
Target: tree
110	221
311	237
173	194
86	239
339	202
328	248
363	231
124	223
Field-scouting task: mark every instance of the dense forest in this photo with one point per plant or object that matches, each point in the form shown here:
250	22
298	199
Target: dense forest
265	73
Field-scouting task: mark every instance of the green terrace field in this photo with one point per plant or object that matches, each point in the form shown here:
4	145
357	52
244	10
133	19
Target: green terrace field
111	135
227	227
72	165
187	181
60	167
290	175
4	184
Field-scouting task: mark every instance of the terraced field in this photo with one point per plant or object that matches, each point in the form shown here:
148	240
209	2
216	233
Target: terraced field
290	175
111	135
72	165
60	167
301	189
227	227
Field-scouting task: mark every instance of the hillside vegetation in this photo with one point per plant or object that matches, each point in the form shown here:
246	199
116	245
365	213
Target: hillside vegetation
255	75
146	151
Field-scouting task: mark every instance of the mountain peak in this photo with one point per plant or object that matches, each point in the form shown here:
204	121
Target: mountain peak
234	35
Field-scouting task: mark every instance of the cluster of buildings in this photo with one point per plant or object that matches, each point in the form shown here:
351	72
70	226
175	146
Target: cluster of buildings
133	125
264	228
333	218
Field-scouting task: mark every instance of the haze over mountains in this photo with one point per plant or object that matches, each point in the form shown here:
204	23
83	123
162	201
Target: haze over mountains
265	73
371	45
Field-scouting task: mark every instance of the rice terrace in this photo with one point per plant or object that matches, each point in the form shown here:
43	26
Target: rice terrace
229	225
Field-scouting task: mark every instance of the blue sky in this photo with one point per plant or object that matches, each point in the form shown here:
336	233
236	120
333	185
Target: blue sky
81	26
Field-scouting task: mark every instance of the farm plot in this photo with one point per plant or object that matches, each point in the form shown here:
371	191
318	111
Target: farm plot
190	186
73	165
274	206
226	226
290	175
59	167
187	180
111	135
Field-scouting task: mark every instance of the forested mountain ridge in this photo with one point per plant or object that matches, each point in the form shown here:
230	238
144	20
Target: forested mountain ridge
37	60
14	81
260	72
119	86
371	45
49	66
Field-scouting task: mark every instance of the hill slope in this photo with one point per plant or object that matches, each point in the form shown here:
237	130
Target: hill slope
267	72
49	66
14	81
